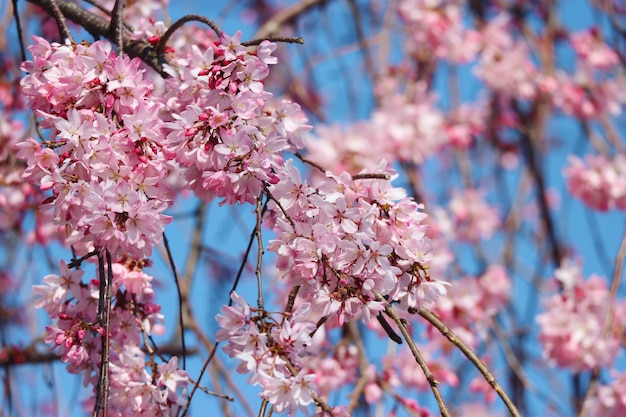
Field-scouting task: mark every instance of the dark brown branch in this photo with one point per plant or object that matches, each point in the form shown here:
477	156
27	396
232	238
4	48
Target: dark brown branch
260	252
100	26
179	23
18	26
469	354
75	263
533	163
117	25
60	19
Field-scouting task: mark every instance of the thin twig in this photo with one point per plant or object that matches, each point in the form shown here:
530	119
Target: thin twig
280	206
224	372
178	24
259	237
480	365
281	39
181	319
197	384
20	35
60	19
391	312
244	259
104	300
309	162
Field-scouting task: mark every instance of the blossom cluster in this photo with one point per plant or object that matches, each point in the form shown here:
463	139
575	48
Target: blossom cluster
348	244
225	131
472	304
589	93
272	350
598	181
14	193
102	162
578	329
469	217
350	241
436	27
77	331
406	127
610	399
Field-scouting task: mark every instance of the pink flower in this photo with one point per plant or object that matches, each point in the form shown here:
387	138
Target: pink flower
593	51
598	181
573	327
171	378
610	400
473	218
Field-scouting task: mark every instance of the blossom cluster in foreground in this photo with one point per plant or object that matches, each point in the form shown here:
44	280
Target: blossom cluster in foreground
103	162
138	386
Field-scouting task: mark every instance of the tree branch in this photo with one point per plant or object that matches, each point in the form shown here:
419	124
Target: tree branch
100	26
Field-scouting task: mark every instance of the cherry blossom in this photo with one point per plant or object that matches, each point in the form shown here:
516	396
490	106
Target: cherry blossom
136	387
576	331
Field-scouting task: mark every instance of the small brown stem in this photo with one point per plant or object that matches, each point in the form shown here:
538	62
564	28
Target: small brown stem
178	24
281	39
309	162
372	176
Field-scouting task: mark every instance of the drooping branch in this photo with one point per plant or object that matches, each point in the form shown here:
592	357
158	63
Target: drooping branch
178	24
469	353
434	384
